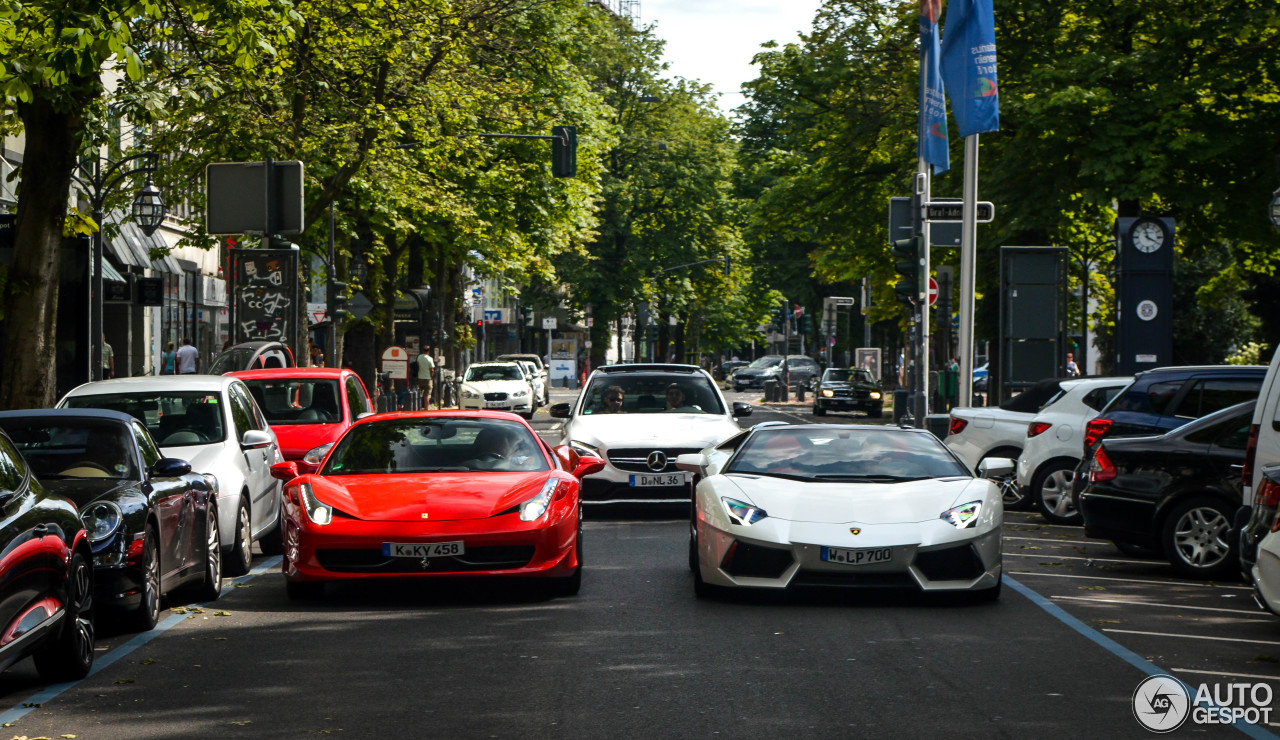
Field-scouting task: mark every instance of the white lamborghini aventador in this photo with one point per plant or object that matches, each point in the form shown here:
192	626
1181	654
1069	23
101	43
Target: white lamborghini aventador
814	505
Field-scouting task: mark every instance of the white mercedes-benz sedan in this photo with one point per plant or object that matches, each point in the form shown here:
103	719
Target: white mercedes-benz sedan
824	505
638	418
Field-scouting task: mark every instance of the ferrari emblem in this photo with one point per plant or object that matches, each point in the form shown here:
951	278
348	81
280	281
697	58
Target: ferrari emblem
854	530
425	563
425	515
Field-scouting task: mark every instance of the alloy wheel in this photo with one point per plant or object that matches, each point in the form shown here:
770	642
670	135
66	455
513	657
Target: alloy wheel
1200	537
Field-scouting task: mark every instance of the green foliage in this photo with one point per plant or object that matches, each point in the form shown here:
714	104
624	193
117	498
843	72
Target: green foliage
1252	353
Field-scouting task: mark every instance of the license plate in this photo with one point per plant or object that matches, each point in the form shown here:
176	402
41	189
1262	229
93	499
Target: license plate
659	479
857	557
423	549
497	404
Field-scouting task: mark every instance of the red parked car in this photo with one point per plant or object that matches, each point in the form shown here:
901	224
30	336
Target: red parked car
307	407
435	494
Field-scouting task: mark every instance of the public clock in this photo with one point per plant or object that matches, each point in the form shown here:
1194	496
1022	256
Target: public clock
1147	235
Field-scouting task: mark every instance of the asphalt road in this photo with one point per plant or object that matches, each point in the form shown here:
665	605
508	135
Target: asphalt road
637	655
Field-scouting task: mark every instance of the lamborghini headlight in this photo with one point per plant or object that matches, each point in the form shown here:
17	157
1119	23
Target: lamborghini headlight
538	505
964	515
101	520
317	511
742	513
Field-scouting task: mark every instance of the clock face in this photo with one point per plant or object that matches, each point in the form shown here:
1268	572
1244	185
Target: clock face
1148	236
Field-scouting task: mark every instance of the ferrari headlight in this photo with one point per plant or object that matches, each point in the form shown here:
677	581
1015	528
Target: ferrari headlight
740	513
537	506
520	394
315	455
317	511
964	515
827	393
874	395
582	448
101	520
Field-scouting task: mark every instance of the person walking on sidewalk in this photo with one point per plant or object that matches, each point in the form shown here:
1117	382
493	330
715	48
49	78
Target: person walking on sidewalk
426	369
188	357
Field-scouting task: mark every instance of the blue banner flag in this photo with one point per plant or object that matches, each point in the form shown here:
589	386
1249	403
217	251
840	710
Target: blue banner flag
931	139
969	66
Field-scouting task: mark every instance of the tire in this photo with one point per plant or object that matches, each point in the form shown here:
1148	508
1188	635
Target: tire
241	555
1051	493
1197	538
573	584
272	543
1010	492
303	590
71	657
701	588
1137	551
210	587
145	617
818	410
877	412
528	416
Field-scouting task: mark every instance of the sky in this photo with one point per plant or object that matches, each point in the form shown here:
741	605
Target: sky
713	40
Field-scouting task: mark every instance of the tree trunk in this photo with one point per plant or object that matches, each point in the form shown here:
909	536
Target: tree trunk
27	377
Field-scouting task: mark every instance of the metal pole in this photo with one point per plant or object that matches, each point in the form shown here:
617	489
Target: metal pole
328	296
783	394
922	363
95	324
968	266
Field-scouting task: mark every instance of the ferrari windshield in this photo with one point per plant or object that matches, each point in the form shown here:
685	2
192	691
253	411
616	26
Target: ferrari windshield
436	445
847	375
174	418
297	400
686	393
845	454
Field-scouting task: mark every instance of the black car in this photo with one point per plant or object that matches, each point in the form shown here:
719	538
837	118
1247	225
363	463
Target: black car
803	370
252	356
848	389
1175	493
1163	399
152	524
46	575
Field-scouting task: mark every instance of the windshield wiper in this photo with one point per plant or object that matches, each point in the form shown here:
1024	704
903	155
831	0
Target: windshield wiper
872	477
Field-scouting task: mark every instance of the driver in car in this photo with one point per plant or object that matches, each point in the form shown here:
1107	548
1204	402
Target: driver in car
501	449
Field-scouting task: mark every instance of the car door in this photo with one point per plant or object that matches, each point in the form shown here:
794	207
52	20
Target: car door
357	398
257	461
173	503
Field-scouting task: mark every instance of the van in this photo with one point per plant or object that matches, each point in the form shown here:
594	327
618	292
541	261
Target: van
1254	518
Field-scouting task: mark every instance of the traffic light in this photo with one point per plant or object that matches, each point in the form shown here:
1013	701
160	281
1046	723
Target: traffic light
338	301
564	151
908	257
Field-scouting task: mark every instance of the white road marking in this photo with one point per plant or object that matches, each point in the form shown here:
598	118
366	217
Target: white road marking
1127	580
1129	602
1059	541
1078	557
1193	637
1232	675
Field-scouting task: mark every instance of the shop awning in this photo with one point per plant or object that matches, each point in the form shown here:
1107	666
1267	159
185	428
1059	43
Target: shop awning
132	247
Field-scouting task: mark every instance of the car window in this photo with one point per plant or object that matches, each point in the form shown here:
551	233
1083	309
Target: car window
146	445
436	446
685	393
766	361
1097	398
1214	394
12	469
843	454
174	418
1231	432
356	401
74	448
481	373
1159	396
287	401
241	413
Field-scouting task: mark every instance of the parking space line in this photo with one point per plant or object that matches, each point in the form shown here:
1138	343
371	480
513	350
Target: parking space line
1192	637
1230	675
1080	557
1127	602
1059	541
1204	584
50	692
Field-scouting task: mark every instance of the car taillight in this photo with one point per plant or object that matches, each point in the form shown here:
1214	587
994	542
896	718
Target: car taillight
957	425
1101	469
1094	430
1036	428
1250	452
1268	493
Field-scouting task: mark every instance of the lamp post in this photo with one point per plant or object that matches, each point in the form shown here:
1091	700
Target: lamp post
148	211
1273	209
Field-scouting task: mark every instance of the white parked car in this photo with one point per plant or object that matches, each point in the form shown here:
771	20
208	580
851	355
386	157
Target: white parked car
639	418
536	380
982	432
1055	441
212	422
827	505
498	386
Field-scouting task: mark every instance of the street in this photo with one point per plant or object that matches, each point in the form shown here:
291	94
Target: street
636	654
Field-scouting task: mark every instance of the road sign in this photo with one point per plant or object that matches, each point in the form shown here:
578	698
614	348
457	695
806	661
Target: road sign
839	301
493	316
901	226
239	199
933	291
359	306
395	362
549	322
952	210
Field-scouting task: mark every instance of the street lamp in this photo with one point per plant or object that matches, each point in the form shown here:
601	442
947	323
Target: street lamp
148	210
1273	209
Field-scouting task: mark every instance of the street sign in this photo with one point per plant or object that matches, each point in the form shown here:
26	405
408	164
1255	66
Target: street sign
493	316
902	226
359	306
952	210
239	201
395	362
933	291
549	322
839	301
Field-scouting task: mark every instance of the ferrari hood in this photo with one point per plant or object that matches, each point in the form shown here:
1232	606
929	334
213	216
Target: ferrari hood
440	496
861	503
659	430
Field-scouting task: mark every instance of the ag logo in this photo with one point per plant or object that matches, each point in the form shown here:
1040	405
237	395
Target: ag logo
1160	703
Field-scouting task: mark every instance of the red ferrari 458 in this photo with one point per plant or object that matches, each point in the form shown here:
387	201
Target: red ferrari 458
435	494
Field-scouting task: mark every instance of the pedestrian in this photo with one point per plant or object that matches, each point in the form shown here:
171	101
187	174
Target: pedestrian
187	358
167	358
108	360
1072	369
317	354
426	369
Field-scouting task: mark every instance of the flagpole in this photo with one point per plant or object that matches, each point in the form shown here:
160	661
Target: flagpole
968	270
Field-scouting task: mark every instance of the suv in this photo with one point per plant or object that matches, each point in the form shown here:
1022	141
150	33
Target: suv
804	371
541	368
1163	399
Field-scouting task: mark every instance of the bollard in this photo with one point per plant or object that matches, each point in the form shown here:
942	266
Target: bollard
800	392
770	391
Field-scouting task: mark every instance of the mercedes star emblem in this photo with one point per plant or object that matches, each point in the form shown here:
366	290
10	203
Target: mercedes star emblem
657	461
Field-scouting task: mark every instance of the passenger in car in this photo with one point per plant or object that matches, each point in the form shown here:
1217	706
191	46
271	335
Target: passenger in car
614	397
